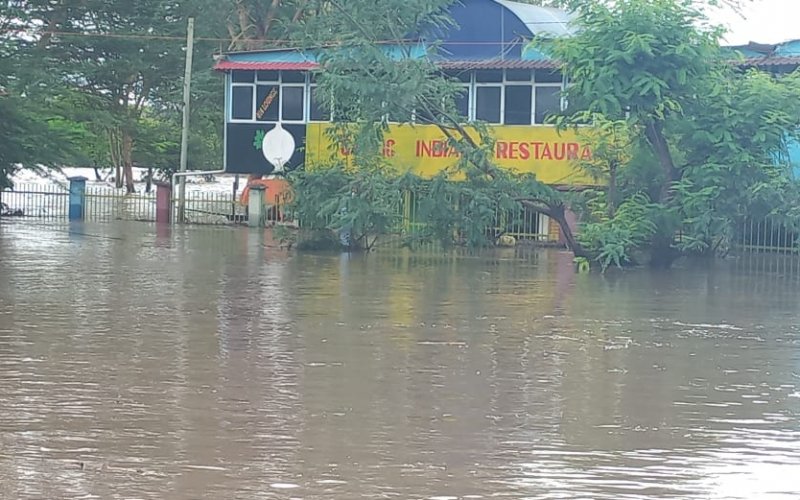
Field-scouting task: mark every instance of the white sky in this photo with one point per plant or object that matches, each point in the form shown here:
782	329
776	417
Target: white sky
764	21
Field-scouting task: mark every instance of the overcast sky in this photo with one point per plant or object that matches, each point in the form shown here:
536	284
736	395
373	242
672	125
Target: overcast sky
765	21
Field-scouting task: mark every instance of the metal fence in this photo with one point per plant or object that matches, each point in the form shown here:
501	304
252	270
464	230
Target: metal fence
523	224
212	208
766	235
107	204
104	204
44	201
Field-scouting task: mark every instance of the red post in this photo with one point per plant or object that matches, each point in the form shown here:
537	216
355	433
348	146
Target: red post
163	202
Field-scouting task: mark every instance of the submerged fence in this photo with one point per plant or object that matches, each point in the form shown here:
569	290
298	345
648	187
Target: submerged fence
767	235
45	201
523	224
104	204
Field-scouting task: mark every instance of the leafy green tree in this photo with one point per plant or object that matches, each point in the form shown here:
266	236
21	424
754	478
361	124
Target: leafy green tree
655	67
34	133
123	58
258	24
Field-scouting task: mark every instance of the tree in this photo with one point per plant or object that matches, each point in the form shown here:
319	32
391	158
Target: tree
34	132
256	24
123	58
656	68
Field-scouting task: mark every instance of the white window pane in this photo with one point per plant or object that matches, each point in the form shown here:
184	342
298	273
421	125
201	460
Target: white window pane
487	104
518	105
242	103
292	101
548	102
268	100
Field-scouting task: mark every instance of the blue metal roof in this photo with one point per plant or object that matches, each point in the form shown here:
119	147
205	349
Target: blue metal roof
486	30
541	21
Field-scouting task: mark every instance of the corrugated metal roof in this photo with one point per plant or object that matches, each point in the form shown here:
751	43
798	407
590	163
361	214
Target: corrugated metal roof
540	20
770	61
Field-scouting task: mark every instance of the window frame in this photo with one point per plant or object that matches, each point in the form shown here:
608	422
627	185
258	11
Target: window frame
558	86
303	105
471	87
312	87
473	96
279	83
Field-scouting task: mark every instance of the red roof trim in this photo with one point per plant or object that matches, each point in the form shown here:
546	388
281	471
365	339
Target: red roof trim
499	64
265	66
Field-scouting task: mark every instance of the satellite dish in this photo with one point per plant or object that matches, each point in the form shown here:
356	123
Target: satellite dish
278	147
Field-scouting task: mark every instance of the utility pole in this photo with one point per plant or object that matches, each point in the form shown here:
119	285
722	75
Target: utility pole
187	97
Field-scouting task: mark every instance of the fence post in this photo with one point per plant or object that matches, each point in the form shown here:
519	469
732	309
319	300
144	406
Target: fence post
163	202
255	207
77	197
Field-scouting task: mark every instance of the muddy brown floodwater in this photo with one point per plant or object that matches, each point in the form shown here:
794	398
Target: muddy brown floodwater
146	363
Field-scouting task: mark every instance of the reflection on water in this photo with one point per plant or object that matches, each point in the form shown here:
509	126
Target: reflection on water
138	362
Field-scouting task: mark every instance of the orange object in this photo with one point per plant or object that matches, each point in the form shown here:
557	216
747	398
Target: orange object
276	196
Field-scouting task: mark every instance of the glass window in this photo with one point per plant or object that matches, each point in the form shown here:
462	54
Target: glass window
242	103
518	75
243	76
487	104
320	112
489	75
268	76
292	102
267	103
293	77
548	102
518	105
462	103
548	76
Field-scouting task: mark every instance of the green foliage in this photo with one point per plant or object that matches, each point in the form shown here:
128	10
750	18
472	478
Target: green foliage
735	163
111	72
636	57
701	137
362	201
615	240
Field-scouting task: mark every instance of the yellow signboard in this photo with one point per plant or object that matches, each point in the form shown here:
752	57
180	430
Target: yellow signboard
424	150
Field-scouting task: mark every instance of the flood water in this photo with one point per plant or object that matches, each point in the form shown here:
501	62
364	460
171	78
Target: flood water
146	363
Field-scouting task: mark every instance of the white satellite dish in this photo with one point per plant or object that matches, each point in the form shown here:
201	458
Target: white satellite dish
278	147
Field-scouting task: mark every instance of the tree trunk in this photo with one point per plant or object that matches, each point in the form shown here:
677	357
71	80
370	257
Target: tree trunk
114	152
149	187
612	189
654	131
558	213
127	161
